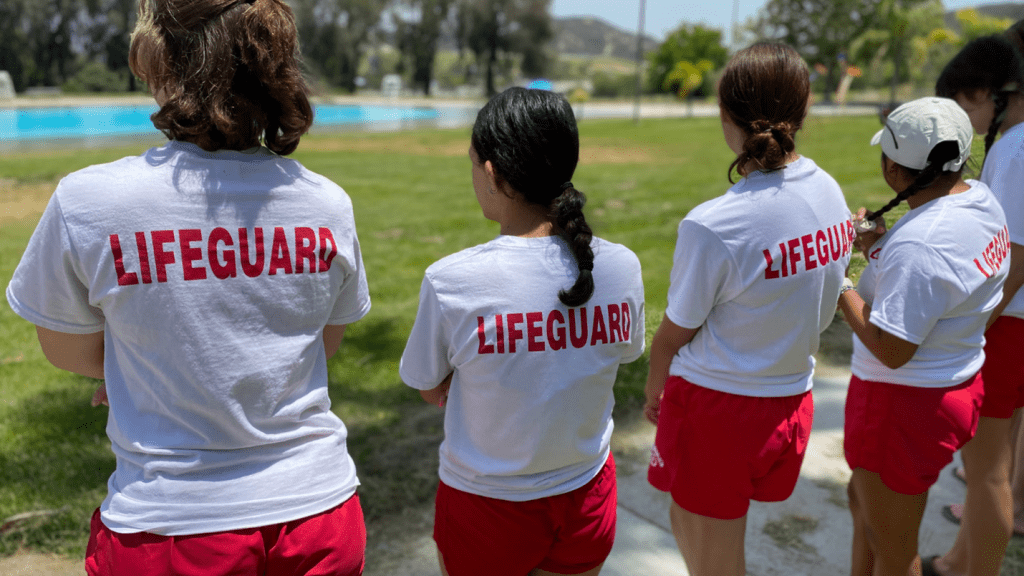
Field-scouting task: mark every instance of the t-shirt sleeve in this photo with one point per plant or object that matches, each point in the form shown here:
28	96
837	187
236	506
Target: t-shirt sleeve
48	288
1007	188
425	361
915	287
354	299
637	330
700	271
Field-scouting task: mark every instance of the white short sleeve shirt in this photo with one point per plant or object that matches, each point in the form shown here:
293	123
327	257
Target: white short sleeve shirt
529	409
758	270
1004	174
932	280
212	275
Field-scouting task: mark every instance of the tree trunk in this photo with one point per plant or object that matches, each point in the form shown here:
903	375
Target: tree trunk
492	61
897	58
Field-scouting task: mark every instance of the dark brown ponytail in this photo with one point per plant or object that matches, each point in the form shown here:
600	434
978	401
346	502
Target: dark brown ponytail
764	91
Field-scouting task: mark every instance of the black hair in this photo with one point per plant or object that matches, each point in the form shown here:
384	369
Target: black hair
764	91
942	153
1015	34
531	139
988	63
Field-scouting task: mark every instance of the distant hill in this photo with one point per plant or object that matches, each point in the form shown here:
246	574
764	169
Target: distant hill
584	36
1011	10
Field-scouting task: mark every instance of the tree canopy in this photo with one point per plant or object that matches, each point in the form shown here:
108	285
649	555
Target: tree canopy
491	29
418	25
820	30
334	35
691	44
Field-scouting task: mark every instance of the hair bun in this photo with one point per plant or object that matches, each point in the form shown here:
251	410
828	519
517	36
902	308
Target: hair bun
760	126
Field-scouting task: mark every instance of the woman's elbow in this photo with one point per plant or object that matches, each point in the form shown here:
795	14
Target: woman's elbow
895	357
893	363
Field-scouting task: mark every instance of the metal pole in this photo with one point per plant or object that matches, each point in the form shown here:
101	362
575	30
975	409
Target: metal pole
735	25
639	61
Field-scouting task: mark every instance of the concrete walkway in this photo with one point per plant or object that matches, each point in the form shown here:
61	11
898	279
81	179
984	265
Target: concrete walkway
807	535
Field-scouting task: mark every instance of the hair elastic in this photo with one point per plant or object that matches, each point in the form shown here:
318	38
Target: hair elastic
566	186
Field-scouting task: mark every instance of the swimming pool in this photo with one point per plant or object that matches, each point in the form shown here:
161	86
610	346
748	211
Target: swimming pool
27	124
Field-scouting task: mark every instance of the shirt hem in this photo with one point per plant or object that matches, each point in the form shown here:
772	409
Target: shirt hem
749	387
349	319
192	527
57	326
512	495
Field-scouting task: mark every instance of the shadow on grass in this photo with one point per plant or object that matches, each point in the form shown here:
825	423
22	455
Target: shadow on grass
56	458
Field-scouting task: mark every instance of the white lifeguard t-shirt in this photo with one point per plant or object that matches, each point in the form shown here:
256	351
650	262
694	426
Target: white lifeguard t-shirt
758	270
932	280
529	412
212	275
1004	175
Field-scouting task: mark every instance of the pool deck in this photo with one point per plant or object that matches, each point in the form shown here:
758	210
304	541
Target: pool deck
595	109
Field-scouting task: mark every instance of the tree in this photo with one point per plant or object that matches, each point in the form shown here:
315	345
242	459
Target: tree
47	42
820	30
14	54
691	44
109	32
418	27
492	28
900	35
334	34
975	25
913	31
51	27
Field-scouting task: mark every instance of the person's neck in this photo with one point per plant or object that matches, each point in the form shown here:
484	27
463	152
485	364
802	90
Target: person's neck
527	221
750	167
1014	112
943	187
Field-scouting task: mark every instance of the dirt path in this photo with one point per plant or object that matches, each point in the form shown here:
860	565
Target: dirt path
31	564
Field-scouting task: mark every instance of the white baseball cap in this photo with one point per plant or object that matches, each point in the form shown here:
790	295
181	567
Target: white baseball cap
913	130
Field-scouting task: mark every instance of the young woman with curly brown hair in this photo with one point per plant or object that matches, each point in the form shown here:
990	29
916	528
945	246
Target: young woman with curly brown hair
208	281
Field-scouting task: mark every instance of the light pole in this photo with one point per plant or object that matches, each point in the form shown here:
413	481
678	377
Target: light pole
735	25
639	61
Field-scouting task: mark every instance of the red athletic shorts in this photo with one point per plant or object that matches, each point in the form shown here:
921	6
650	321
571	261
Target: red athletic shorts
566	534
907	434
715	452
1003	371
331	543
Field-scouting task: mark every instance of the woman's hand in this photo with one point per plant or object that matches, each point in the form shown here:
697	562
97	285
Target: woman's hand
865	239
667	341
652	409
438	395
100	396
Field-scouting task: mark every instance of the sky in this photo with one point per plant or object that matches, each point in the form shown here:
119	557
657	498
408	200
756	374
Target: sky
663	16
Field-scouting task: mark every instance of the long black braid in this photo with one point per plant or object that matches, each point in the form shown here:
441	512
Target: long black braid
942	152
1002	101
568	214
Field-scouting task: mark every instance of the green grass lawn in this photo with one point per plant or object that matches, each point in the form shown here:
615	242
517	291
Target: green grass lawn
414	204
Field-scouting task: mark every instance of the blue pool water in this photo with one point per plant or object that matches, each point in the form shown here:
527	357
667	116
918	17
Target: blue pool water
98	121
